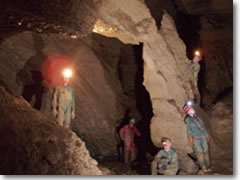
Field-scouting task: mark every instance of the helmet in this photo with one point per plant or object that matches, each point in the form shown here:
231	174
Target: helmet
186	109
132	120
188	106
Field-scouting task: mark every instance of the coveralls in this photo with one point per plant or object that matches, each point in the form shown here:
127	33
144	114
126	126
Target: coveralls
196	68
64	103
127	134
197	131
160	160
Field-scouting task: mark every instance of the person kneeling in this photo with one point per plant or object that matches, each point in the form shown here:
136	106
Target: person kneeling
166	160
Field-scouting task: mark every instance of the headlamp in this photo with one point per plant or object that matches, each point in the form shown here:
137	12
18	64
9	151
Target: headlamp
67	73
164	143
197	53
189	103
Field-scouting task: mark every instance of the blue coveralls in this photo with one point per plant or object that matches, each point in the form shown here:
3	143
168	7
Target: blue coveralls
197	131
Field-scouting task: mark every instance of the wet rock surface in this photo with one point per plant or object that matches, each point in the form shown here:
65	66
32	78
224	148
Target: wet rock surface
32	144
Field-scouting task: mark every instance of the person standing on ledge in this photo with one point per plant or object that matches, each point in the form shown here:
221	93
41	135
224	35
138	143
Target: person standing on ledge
197	136
195	68
63	104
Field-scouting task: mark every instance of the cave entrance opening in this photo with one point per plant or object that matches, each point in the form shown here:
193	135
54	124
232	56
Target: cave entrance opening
143	106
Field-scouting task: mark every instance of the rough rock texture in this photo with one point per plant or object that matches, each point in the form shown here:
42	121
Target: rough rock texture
166	75
205	25
204	6
32	144
99	95
221	127
217	44
168	81
128	77
67	18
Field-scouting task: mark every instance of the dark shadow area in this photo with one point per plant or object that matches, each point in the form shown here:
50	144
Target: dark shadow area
30	75
157	8
120	146
201	79
144	106
35	89
144	145
188	27
223	93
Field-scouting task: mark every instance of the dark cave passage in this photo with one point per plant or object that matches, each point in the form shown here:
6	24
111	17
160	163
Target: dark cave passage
144	107
34	90
111	48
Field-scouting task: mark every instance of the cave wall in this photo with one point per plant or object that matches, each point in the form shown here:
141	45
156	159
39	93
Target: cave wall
216	37
221	127
128	72
166	75
215	31
99	93
204	6
30	143
66	18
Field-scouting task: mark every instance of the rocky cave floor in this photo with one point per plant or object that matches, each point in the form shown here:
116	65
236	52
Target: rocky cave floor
118	167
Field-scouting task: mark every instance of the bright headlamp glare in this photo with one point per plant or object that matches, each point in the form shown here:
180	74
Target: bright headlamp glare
67	73
189	103
197	53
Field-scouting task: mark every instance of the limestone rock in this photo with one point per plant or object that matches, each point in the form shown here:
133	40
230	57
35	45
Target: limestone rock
202	7
99	94
217	43
166	74
221	126
69	18
32	144
167	77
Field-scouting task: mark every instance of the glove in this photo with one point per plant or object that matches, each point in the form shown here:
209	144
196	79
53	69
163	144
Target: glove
190	140
208	138
54	112
73	115
164	167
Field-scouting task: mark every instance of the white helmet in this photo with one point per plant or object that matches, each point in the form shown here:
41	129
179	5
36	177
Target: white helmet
132	120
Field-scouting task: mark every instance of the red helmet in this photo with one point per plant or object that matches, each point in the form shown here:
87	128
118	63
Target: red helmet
186	109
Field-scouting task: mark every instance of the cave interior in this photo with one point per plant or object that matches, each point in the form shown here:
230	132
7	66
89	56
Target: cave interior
129	60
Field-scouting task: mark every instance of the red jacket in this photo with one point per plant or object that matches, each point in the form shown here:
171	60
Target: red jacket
127	135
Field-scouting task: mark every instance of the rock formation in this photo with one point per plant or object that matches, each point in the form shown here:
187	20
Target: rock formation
217	44
95	78
166	75
221	126
105	68
32	144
